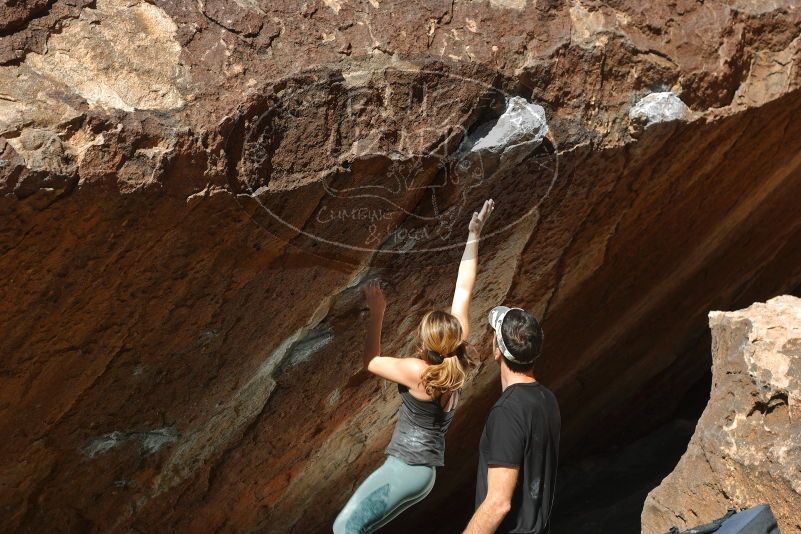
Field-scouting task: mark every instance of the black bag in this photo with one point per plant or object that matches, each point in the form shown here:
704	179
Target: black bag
756	520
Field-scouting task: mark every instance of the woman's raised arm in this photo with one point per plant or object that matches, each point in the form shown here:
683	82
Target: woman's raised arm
466	279
376	303
404	371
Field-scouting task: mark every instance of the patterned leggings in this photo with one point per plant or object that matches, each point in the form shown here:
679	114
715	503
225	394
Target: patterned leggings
388	491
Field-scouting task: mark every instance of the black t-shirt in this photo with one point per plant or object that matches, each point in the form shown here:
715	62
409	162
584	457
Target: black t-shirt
522	430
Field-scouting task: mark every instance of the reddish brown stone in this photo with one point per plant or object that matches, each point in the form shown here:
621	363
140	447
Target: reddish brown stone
174	357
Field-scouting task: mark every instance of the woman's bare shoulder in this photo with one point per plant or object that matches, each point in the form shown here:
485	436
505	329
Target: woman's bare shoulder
416	363
419	391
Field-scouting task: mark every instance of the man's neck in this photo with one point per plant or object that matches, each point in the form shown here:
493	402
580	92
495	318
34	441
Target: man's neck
509	377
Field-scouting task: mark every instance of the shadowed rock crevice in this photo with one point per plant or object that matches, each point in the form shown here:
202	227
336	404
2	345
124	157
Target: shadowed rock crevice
777	401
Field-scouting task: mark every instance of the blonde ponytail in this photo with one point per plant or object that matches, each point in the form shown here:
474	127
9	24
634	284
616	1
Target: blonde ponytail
441	345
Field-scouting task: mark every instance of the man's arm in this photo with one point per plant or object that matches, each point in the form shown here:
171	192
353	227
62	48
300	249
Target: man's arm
466	279
501	481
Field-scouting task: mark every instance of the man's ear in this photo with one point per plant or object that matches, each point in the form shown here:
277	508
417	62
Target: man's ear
497	355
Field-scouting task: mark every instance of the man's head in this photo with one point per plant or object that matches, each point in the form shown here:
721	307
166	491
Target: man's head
517	338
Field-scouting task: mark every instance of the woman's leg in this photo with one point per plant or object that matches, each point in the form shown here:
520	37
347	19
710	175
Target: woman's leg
367	503
416	476
388	491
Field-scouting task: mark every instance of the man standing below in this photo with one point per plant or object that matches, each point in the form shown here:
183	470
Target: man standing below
520	443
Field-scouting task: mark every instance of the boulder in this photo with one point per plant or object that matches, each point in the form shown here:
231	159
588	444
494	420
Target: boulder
746	449
192	194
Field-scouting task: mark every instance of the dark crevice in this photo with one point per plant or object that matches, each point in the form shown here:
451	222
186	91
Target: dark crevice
767	407
605	491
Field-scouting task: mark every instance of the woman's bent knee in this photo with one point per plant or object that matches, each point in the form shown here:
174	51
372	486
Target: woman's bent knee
340	523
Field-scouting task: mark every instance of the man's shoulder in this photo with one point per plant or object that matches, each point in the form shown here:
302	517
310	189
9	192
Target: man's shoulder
526	401
509	408
527	393
503	412
547	393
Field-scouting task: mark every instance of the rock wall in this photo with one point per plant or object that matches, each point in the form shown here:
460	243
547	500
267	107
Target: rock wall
745	449
191	194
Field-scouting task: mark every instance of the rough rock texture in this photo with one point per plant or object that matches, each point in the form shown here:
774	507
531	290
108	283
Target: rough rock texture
745	450
192	192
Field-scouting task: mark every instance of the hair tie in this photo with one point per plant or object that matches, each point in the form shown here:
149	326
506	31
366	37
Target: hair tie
461	347
448	355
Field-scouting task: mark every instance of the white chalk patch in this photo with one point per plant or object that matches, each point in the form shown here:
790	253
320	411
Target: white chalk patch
658	107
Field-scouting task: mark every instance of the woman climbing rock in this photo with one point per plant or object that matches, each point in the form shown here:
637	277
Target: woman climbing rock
429	385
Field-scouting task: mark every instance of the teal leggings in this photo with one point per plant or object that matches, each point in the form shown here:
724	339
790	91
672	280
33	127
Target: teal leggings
388	491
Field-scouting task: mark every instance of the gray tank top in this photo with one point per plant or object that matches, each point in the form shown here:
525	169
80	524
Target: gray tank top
419	436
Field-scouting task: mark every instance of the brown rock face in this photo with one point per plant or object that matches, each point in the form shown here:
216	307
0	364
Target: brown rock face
191	194
745	450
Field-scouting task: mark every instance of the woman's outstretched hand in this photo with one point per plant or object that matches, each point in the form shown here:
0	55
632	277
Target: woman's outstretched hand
481	217
375	297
